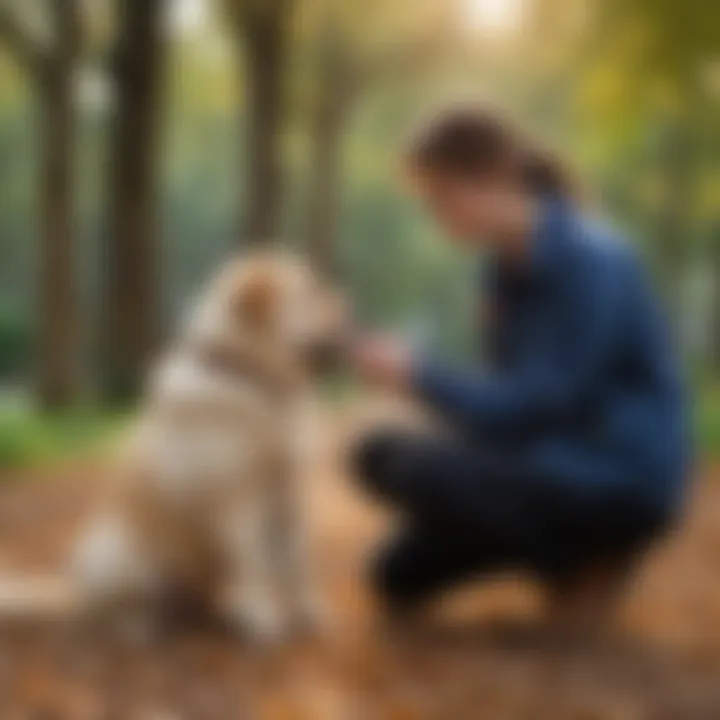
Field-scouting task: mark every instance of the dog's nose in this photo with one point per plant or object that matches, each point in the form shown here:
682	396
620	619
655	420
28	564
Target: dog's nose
326	355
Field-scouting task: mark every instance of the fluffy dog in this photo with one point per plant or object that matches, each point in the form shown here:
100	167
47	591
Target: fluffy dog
207	497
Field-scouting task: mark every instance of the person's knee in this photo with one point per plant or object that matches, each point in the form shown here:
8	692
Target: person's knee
403	469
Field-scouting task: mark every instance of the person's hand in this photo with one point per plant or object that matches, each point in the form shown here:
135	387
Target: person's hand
382	360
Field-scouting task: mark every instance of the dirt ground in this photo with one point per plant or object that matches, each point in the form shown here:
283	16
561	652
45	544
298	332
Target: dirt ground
482	656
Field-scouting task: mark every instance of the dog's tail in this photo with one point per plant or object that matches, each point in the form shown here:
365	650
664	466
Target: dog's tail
30	597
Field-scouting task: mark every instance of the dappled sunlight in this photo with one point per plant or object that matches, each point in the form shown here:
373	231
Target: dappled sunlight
496	16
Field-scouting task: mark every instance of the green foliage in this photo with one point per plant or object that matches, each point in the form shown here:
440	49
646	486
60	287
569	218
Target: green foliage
30	438
707	421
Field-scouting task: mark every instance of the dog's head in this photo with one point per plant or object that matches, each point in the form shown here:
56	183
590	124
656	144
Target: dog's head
276	301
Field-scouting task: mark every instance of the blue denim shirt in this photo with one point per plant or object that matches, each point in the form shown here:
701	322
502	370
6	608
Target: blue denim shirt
583	385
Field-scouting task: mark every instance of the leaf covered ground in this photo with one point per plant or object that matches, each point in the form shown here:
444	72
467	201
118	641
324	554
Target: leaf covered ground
482	656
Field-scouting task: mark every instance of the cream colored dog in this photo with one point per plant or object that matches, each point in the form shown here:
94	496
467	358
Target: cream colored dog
207	497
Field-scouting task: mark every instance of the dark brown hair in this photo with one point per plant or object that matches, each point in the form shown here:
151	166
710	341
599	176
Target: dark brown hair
473	141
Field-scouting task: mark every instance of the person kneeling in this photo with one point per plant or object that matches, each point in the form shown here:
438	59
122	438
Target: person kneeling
569	449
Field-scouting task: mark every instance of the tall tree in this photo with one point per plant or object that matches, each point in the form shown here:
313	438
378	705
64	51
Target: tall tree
51	68
351	59
336	85
131	304
262	28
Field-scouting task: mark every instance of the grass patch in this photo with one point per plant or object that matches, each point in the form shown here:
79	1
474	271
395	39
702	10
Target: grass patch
30	438
707	420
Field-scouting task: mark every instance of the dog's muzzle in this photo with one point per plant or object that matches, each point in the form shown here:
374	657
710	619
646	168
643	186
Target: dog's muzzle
325	356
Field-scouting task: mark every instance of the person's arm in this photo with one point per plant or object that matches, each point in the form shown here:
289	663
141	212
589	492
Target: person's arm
559	372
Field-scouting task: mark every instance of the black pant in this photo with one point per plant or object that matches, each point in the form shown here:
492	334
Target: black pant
469	512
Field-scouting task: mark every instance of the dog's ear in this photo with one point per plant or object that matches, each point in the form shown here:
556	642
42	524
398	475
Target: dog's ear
255	297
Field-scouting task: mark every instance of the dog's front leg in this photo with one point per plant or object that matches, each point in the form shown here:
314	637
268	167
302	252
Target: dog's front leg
116	580
253	601
295	567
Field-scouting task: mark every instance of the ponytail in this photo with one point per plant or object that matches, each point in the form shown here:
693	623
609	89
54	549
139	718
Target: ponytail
543	173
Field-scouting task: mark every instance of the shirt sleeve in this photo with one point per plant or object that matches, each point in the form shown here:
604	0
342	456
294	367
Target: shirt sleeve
562	358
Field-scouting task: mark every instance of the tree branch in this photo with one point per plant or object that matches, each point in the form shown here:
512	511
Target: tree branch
18	42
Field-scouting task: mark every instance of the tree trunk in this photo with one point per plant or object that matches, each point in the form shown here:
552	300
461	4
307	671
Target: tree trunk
265	32
131	308
51	67
323	213
334	96
57	370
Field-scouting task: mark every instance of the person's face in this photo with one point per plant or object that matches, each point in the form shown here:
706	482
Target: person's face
469	211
